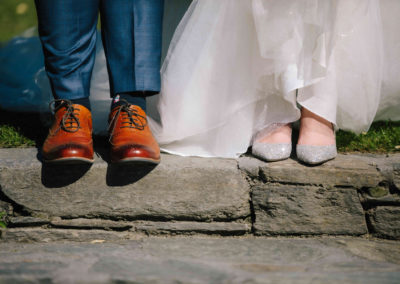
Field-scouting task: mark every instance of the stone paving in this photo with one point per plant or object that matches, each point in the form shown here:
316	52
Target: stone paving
203	260
353	195
195	220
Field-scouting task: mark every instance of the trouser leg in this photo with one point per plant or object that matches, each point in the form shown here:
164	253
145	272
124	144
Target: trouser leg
67	30
131	31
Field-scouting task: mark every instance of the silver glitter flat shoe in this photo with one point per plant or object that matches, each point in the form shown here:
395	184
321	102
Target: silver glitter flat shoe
272	152
315	155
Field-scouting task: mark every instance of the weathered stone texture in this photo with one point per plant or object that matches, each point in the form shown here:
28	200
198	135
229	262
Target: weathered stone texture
390	199
295	210
218	228
90	224
385	221
6	208
204	260
178	189
396	175
26	221
345	170
54	235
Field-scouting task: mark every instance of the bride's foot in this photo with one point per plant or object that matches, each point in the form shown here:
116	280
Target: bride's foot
275	145
316	143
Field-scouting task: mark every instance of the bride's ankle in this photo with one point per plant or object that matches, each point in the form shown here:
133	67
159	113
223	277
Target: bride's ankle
275	134
315	130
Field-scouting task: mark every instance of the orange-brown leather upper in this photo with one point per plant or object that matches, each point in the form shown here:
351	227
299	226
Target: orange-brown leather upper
130	135
70	136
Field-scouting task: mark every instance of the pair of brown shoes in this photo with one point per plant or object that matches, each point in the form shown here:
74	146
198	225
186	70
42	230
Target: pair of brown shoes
70	137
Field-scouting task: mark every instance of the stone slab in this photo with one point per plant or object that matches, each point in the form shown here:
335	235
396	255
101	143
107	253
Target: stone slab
39	235
345	170
307	210
86	229
26	221
385	221
204	260
188	189
390	199
190	228
6	208
90	224
396	175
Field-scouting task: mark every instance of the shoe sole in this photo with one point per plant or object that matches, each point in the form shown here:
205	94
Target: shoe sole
316	163
70	161
137	160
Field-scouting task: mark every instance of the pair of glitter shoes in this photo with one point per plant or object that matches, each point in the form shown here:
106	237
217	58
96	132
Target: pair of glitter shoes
309	154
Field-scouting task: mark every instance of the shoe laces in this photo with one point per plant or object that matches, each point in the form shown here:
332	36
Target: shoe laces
130	118
70	121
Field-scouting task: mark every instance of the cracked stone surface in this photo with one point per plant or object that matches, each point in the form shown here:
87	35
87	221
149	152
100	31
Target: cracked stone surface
187	195
179	188
294	210
203	260
345	170
81	230
26	221
386	221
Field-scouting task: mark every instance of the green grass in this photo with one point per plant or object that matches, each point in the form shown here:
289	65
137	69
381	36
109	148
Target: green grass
11	137
16	16
20	130
2	222
383	137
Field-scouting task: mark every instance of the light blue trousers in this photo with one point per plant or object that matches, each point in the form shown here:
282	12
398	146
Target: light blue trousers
131	34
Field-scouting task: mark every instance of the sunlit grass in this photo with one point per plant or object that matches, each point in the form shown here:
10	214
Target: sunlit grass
10	137
20	129
383	137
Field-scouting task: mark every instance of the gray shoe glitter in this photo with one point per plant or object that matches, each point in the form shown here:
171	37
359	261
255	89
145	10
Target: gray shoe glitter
315	155
272	152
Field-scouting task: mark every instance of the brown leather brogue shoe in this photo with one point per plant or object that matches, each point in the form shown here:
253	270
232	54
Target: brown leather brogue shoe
70	136
130	136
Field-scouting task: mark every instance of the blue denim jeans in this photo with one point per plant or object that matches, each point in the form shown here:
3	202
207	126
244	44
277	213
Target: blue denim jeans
131	34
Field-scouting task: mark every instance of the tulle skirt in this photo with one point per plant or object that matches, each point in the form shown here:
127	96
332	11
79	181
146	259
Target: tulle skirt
235	68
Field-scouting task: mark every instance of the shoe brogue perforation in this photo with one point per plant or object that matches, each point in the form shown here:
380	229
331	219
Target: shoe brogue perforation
70	137
70	120
130	136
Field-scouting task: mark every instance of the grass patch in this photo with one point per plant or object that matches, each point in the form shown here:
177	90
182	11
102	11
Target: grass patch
383	137
21	130
2	221
10	137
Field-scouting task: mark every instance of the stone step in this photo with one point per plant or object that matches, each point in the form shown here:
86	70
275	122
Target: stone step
178	189
351	195
202	259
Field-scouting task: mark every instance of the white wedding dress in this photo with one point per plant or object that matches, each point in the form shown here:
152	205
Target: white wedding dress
234	66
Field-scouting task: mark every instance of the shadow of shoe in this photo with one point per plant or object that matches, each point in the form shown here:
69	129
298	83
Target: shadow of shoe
60	175
127	173
101	148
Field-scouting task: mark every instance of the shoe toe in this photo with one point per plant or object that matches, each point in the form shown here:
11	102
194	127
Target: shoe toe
272	152
70	153
135	153
315	155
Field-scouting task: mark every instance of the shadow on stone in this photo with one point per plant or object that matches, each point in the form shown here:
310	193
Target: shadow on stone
102	148
56	176
125	174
